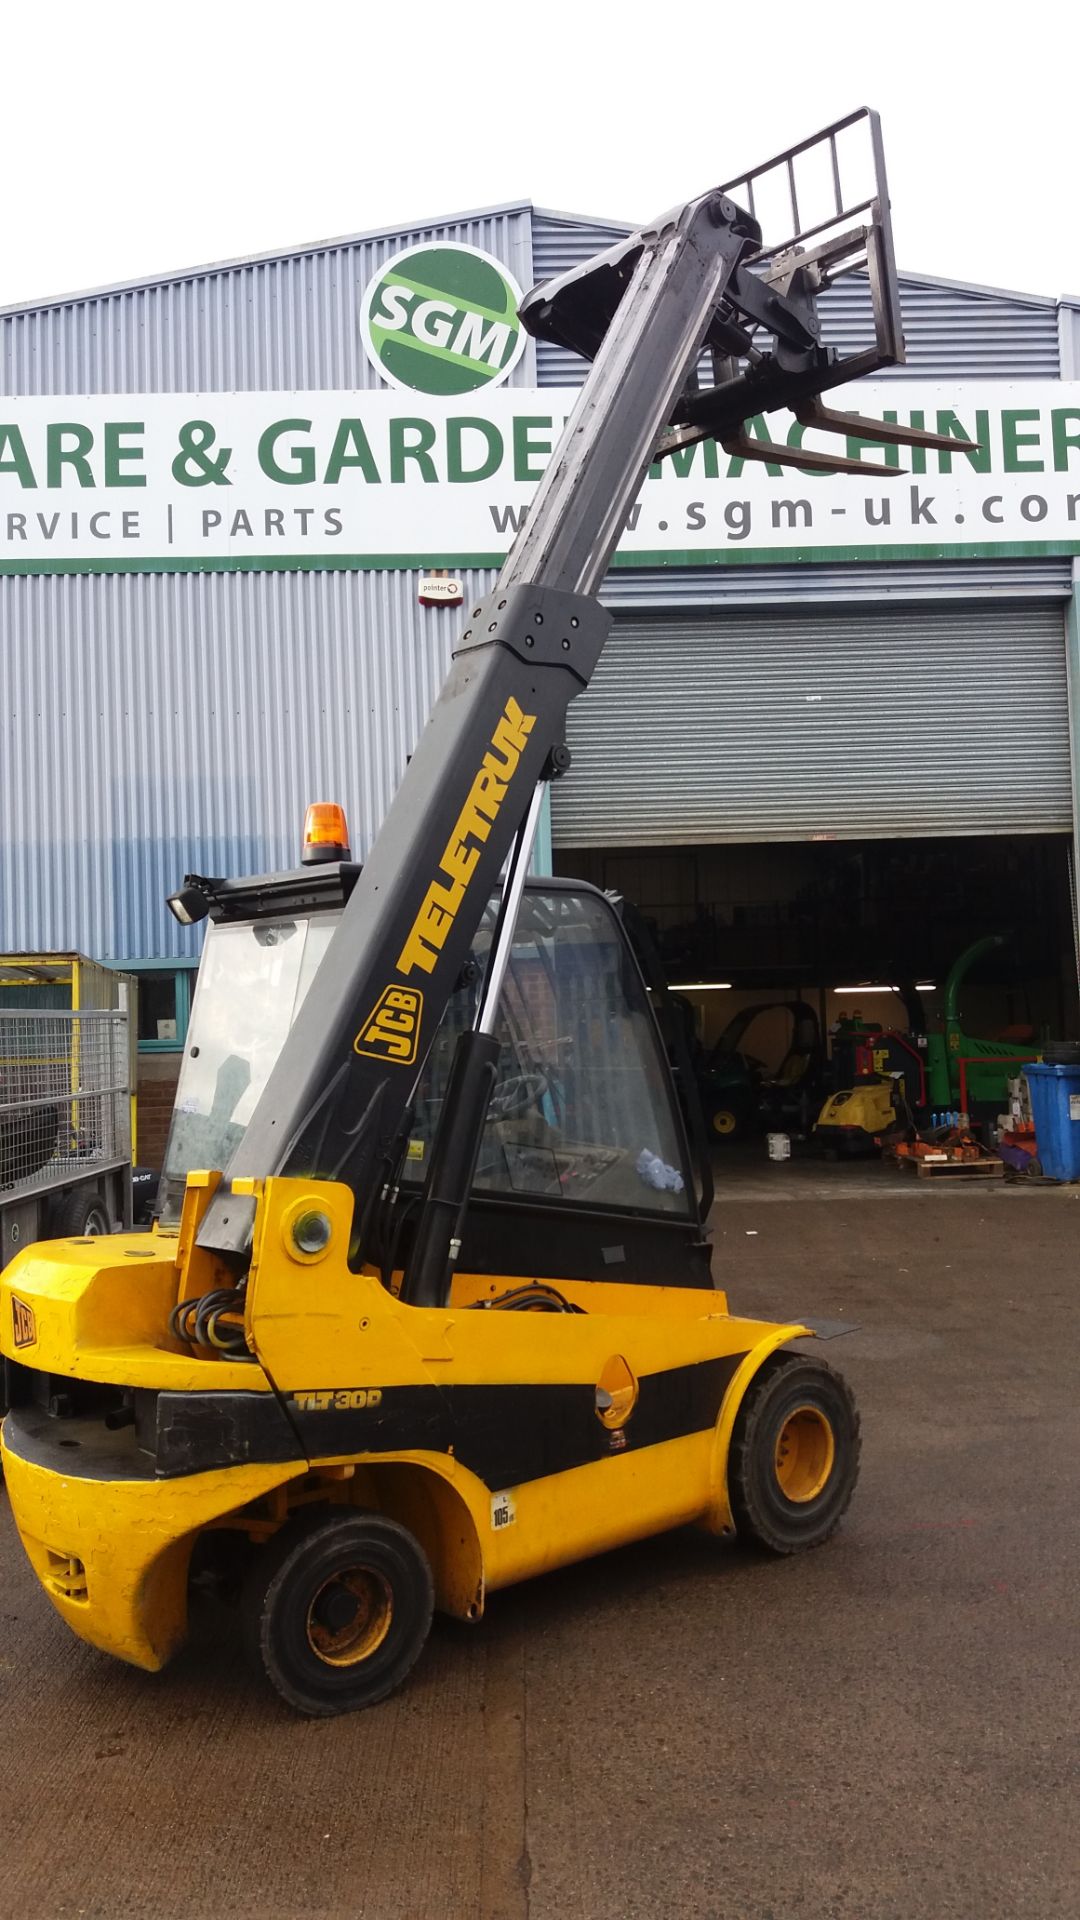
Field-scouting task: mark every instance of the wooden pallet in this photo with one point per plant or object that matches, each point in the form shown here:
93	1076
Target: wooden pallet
988	1168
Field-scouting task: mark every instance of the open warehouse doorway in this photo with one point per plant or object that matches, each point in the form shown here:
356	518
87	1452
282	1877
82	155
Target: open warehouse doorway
840	923
818	804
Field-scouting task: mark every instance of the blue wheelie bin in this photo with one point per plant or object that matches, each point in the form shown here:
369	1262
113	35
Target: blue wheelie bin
1055	1109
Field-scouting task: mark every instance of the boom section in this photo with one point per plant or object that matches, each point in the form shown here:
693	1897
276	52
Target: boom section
336	1100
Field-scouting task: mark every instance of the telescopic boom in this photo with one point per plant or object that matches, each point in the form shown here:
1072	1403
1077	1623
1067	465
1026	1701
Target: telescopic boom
696	290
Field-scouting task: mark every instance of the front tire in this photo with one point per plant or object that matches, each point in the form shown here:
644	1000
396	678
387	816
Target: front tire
794	1457
336	1610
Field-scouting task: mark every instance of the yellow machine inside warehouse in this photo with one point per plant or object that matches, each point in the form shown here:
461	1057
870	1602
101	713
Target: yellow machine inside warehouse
429	1307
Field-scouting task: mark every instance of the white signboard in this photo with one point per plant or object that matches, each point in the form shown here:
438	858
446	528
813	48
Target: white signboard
161	482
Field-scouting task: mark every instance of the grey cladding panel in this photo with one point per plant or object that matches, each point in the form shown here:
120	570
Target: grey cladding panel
950	331
559	244
159	724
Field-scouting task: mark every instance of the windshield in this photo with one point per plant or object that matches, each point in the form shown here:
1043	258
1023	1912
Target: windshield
252	979
582	1107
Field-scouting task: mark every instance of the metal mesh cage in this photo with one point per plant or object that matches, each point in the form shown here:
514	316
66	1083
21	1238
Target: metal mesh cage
64	1096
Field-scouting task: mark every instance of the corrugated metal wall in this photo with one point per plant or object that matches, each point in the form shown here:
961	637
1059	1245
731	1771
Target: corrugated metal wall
848	723
951	330
559	242
154	725
260	325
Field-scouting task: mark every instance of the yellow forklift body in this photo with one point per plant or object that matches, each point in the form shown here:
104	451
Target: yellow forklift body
450	1392
113	1555
618	1415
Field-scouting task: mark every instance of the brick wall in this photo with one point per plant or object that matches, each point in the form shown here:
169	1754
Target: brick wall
158	1074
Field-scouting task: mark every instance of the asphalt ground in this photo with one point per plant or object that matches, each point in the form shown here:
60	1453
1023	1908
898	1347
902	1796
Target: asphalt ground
886	1727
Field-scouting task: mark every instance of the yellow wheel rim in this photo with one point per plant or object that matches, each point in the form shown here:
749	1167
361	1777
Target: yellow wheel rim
724	1121
350	1617
805	1452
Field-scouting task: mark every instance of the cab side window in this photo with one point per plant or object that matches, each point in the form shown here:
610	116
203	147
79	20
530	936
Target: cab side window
582	1107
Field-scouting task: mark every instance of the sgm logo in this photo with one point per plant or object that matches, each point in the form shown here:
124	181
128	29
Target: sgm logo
443	319
393	1029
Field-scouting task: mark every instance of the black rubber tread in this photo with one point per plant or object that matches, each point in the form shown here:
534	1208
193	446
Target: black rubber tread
762	1514
277	1594
71	1214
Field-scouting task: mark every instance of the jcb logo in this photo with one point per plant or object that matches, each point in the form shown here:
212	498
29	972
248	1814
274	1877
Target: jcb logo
392	1031
338	1400
23	1328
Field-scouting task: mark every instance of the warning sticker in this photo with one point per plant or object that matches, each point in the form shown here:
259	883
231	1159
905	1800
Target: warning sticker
503	1512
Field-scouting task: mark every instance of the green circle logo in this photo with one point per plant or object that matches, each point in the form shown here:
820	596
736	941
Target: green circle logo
443	319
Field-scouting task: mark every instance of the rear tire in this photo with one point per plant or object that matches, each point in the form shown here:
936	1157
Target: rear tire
794	1457
336	1610
78	1214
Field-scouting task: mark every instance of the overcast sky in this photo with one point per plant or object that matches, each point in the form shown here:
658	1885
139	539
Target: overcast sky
140	138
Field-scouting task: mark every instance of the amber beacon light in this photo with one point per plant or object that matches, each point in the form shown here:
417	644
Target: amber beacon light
326	836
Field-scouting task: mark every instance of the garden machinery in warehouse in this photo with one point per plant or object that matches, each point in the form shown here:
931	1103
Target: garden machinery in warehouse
891	1081
429	1306
736	1089
726	1088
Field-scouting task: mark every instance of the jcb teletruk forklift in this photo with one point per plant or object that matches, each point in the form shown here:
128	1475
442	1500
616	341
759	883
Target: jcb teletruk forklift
429	1306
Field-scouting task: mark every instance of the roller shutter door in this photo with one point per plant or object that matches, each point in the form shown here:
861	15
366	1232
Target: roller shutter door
855	723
